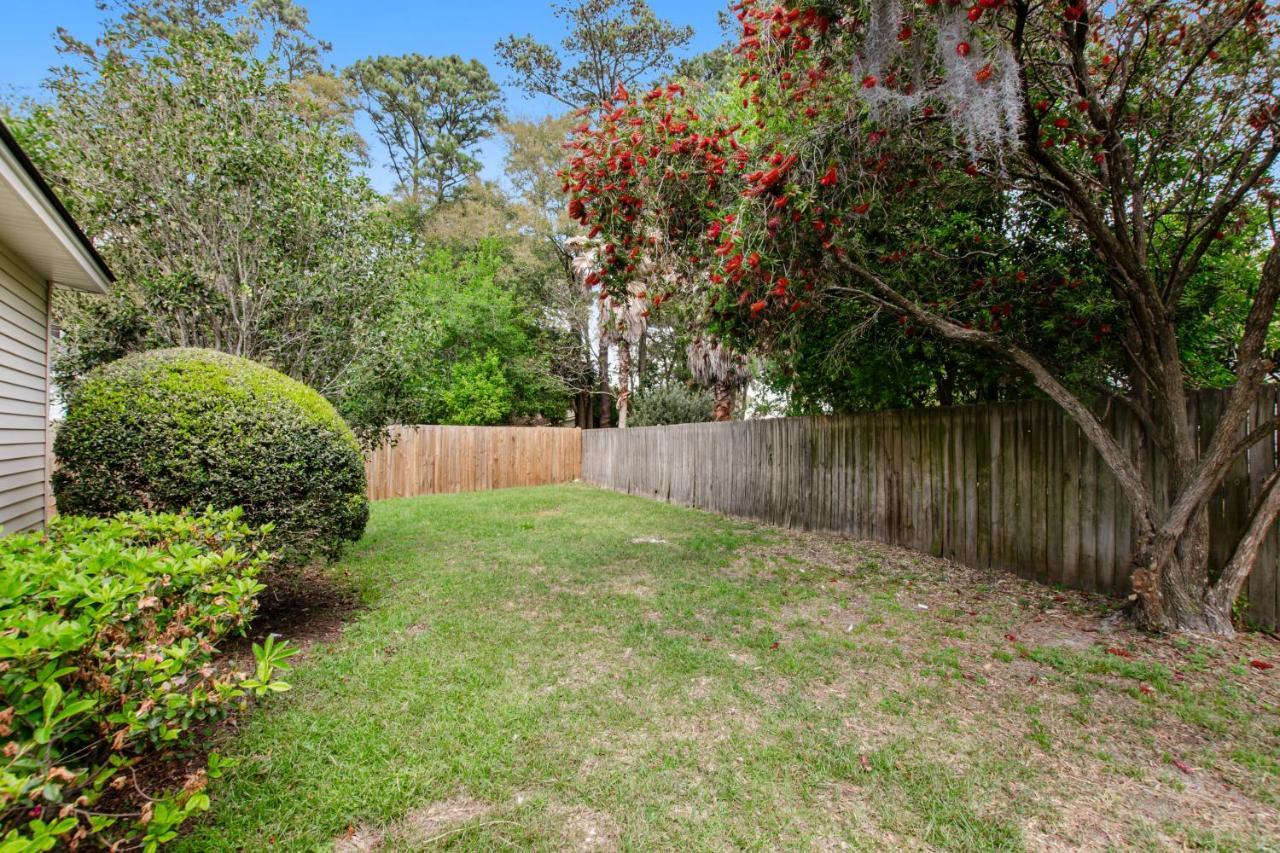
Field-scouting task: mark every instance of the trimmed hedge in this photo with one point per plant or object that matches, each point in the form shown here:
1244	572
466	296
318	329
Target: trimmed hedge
108	654
179	429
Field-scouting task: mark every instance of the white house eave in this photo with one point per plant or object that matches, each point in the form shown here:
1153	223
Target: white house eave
36	231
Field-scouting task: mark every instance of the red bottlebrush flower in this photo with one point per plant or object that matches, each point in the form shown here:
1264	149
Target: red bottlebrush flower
1074	13
971	170
781	201
830	178
975	13
1061	123
1082	106
1042	105
861	209
869	82
963	48
904	34
984	74
757	307
1020	276
577	210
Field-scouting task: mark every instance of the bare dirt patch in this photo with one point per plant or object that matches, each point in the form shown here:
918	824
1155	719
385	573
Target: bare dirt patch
425	825
588	829
417	830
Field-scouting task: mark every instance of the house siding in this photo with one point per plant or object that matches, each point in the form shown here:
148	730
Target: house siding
24	384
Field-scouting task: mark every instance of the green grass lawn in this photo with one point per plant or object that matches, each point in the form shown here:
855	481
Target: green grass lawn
566	668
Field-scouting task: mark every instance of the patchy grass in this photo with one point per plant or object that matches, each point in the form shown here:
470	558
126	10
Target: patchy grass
568	668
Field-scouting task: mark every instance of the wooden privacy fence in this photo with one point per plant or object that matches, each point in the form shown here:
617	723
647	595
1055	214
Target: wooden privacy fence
1012	486
427	460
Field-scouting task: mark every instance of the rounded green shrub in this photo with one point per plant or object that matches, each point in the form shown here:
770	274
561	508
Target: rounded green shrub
178	429
671	404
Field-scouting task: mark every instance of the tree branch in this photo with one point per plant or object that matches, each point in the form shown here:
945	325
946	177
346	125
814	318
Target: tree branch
1131	481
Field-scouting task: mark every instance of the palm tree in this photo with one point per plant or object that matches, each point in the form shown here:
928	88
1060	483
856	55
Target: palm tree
717	367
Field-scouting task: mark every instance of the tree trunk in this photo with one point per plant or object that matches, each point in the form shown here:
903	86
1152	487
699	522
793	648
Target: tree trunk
642	358
624	382
603	391
723	394
1173	596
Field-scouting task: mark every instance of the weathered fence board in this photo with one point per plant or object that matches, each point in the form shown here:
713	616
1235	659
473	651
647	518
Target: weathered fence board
1014	486
426	460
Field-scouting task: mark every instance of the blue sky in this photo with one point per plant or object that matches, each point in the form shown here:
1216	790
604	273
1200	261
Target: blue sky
356	29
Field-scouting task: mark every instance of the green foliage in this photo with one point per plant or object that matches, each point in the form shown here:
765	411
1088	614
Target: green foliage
609	42
183	429
108	651
673	403
429	112
223	187
470	349
479	393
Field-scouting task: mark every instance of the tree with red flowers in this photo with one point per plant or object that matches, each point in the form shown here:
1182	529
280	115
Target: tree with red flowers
607	43
1150	127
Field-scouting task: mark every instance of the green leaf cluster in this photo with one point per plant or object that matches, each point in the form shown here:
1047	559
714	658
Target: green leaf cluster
108	652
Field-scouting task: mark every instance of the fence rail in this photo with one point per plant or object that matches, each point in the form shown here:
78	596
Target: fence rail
1012	486
426	460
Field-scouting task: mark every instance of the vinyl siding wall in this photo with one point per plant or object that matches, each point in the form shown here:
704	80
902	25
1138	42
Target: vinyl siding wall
24	382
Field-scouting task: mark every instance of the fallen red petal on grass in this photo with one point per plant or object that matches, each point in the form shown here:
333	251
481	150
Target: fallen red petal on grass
1013	638
1146	688
865	762
1183	766
774	646
1261	664
1120	653
1033	680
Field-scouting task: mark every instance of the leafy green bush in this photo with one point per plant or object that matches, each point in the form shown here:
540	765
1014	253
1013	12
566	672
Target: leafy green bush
186	428
671	404
479	394
107	652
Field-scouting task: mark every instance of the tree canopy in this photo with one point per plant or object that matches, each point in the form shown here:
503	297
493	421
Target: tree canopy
608	42
429	112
